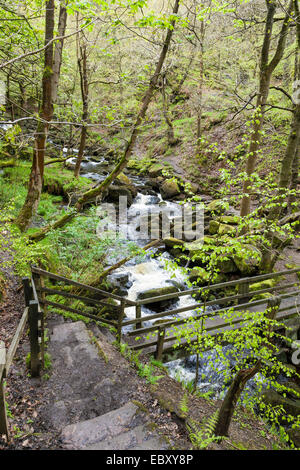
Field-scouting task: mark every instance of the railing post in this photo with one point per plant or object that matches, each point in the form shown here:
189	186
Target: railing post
120	320
160	343
3	415
28	292
243	289
33	320
138	315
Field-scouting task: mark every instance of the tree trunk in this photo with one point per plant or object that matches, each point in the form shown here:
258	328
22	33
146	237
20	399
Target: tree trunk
46	112
266	70
62	23
84	86
289	162
231	399
89	195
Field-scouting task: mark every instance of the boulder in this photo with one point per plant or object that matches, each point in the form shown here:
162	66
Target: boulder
291	406
199	276
156	170
114	193
157	292
172	242
169	189
248	259
226	265
229	219
123	180
218	206
216	227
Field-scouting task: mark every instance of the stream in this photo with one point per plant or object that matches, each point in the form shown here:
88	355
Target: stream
151	272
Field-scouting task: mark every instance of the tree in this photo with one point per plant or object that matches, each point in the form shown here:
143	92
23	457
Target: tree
267	68
45	115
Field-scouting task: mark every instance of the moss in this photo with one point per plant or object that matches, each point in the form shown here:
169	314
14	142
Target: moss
268	283
140	406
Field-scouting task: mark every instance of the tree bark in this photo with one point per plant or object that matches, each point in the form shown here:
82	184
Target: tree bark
62	23
231	399
46	112
84	86
289	162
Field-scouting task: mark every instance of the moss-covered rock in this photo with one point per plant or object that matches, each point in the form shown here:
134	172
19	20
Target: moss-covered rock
229	219
291	406
169	188
157	292
217	206
123	180
247	259
172	242
216	227
267	284
155	170
199	275
226	265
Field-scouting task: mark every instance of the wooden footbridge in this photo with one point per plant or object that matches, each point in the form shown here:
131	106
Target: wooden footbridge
156	333
43	285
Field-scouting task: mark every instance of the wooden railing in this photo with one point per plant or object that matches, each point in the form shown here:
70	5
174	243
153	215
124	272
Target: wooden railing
241	299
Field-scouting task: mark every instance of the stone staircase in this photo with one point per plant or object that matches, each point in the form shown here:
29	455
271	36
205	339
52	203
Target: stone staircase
123	429
92	388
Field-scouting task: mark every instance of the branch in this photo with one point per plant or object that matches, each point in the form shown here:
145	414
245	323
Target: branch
37	51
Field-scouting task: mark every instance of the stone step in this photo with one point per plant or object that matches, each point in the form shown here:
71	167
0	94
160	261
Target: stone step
126	428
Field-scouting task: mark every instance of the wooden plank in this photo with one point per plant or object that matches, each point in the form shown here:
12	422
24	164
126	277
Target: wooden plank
16	339
42	272
77	297
28	292
33	315
2	359
3	414
79	312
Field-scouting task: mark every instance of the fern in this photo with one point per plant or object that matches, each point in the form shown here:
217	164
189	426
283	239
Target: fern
202	437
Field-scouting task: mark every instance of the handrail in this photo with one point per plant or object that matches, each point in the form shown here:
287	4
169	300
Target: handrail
42	272
245	280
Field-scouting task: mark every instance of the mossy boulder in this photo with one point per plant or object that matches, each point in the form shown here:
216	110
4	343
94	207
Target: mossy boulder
247	259
169	188
157	292
267	284
199	275
291	406
216	227
123	180
217	206
156	170
225	264
229	219
173	242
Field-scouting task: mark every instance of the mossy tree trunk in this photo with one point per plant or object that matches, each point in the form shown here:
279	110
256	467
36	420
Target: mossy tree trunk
84	87
46	112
